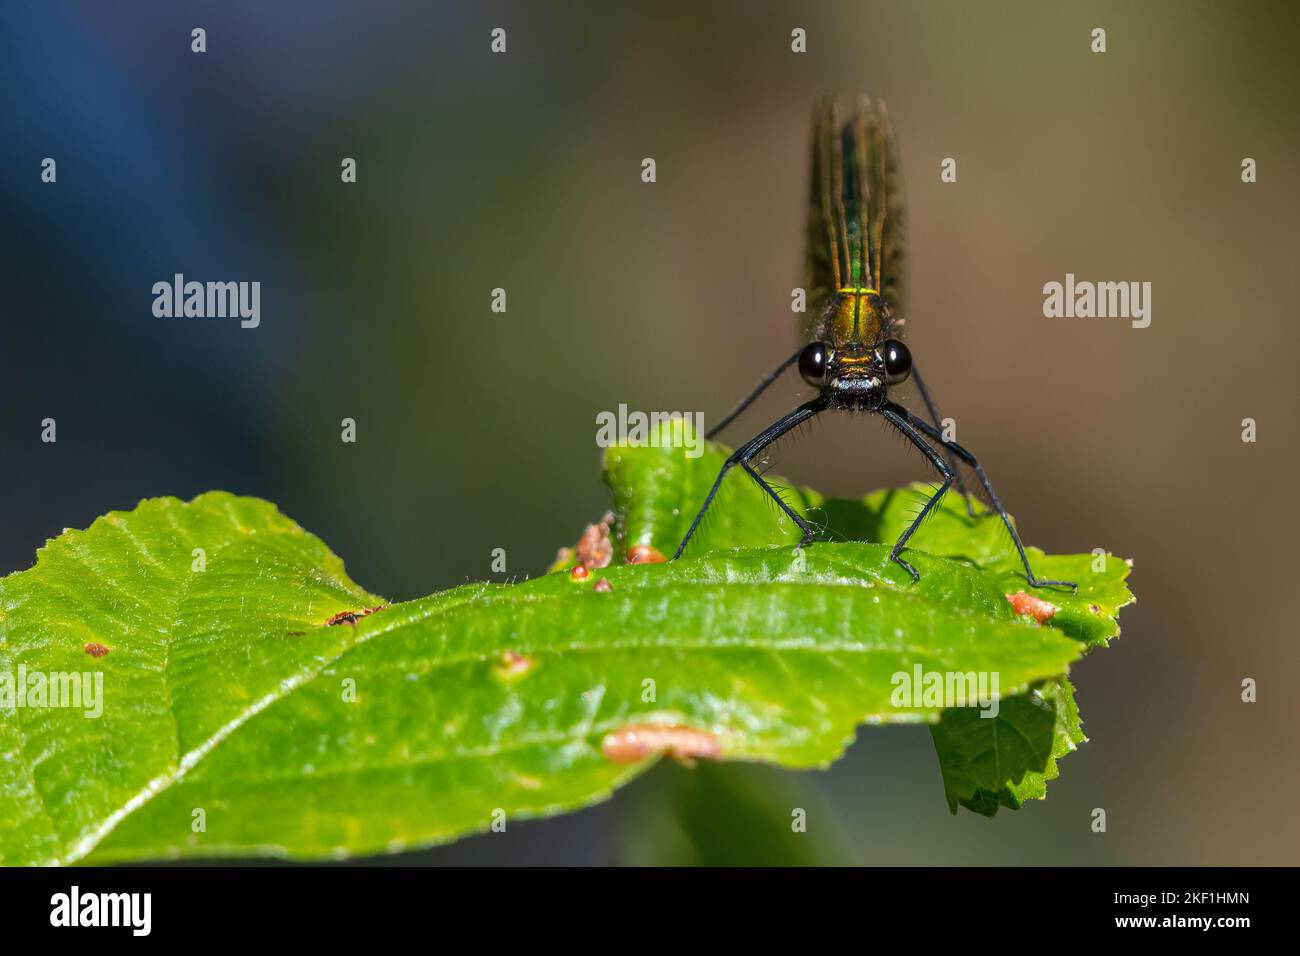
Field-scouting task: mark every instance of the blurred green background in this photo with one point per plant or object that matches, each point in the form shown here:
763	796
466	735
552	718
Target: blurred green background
522	171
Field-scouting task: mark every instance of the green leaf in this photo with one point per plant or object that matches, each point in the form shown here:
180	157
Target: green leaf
657	491
190	656
1005	760
237	720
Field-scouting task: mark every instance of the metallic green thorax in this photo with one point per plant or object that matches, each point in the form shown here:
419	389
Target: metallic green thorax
855	224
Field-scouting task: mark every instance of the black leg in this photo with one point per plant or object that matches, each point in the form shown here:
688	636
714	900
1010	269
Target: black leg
934	417
898	417
809	532
772	376
745	452
967	457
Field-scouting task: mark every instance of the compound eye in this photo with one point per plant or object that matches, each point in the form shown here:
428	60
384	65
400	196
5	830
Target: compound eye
898	361
814	363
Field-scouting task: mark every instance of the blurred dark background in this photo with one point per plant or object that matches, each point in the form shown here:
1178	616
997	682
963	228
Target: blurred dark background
522	171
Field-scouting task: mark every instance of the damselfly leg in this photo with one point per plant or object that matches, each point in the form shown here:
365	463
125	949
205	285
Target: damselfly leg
899	418
930	408
903	420
748	400
934	418
745	453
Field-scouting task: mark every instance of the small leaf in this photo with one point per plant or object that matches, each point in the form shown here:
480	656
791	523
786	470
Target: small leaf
657	491
1006	760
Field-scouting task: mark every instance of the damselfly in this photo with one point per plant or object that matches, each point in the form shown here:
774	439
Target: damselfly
855	355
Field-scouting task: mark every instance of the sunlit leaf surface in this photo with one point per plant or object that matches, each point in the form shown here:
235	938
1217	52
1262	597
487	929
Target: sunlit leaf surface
255	701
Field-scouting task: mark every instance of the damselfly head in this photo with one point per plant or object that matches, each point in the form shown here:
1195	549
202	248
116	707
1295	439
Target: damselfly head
855	370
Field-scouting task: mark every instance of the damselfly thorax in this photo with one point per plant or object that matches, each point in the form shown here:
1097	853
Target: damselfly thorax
852	333
853	317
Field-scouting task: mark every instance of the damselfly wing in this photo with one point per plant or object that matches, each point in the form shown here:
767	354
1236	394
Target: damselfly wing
856	225
855	355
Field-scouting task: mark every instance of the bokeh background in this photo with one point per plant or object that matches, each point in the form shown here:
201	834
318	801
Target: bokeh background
522	171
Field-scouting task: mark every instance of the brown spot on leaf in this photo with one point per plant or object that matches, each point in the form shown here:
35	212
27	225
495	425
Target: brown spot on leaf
351	617
579	572
636	742
593	549
1035	607
1094	608
644	554
95	649
603	586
